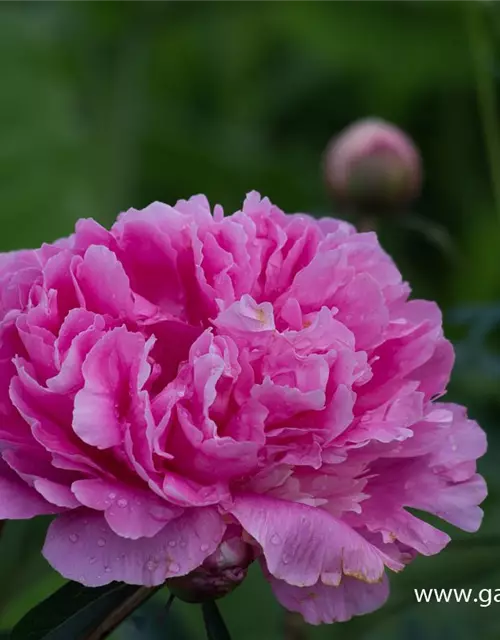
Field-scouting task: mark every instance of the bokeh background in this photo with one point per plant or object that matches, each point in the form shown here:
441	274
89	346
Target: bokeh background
104	106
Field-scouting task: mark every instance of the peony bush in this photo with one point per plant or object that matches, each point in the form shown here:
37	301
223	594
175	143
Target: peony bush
188	393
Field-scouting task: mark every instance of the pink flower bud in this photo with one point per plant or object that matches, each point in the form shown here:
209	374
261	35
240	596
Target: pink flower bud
220	574
373	165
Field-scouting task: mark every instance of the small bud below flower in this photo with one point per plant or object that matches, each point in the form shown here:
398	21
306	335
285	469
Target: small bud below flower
372	165
220	574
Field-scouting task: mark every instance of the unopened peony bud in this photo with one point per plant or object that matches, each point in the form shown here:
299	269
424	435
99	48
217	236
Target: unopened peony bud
220	574
372	165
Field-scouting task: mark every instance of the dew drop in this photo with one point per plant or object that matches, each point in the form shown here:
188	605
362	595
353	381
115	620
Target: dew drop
172	543
81	579
275	539
183	543
122	503
174	567
73	537
204	547
151	565
107	569
92	560
112	495
101	542
286	559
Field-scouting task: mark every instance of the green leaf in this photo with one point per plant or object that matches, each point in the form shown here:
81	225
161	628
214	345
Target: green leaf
214	624
81	613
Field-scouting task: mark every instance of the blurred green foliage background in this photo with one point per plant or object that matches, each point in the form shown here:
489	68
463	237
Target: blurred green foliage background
105	106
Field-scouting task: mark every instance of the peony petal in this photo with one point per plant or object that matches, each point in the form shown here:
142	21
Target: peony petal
148	249
130	512
408	529
80	331
322	603
82	547
104	283
188	493
362	308
101	404
456	503
56	493
304	544
19	501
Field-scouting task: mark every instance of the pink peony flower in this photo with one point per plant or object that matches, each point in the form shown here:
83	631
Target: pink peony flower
185	380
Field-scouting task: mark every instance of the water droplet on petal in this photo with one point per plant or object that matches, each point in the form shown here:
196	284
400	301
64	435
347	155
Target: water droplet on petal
204	547
107	569
81	579
92	560
172	543
101	542
174	567
151	565
275	539
122	503
183	543
285	559
112	495
74	537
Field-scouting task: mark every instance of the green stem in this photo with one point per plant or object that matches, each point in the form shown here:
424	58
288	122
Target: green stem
294	627
121	613
215	626
170	602
483	59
